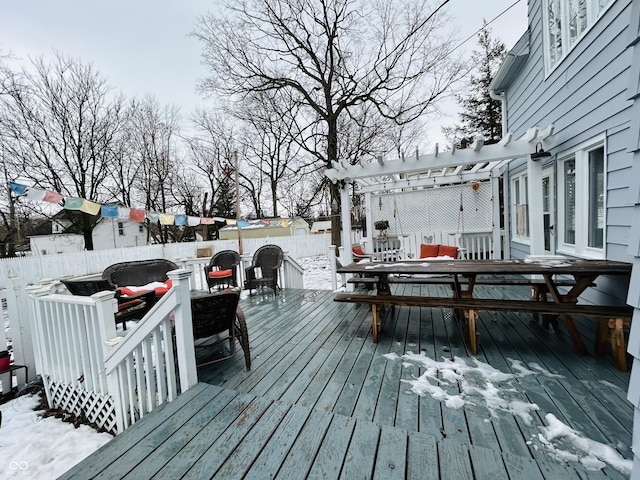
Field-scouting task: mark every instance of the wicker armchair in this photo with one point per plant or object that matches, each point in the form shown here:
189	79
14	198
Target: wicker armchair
263	271
222	269
218	313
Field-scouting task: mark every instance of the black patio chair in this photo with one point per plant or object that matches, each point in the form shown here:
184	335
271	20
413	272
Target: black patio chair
222	269
263	271
215	314
130	307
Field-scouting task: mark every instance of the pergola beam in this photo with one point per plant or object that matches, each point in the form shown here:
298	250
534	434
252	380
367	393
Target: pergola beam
507	149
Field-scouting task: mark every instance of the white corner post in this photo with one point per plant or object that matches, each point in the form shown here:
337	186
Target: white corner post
184	330
536	224
345	217
495	215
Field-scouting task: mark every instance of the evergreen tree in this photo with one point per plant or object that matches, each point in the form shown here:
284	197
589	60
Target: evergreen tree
481	115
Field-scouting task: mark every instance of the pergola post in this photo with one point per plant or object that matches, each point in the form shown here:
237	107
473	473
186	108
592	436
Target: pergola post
536	223
345	216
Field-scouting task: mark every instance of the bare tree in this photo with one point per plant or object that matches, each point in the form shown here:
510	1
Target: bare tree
211	157
59	125
272	151
331	56
155	136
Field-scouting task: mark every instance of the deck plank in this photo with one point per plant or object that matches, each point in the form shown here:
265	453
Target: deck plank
261	457
391	461
331	454
121	444
200	442
422	457
360	456
300	457
224	445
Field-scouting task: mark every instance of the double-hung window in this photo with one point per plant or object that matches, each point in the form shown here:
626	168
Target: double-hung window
520	210
565	22
582	201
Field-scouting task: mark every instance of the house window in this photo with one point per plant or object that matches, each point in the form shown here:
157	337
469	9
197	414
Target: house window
519	189
121	229
140	228
565	22
582	195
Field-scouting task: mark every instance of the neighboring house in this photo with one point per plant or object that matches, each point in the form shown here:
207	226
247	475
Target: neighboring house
265	228
108	233
321	226
578	68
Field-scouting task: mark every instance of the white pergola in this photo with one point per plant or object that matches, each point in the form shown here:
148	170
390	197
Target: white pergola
477	163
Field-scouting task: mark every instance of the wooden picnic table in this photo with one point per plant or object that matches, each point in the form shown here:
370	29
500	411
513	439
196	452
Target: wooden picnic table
465	274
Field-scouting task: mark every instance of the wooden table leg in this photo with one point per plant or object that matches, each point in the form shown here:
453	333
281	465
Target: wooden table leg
574	334
471	316
375	313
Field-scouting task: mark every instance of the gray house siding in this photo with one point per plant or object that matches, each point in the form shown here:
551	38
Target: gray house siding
594	91
633	298
584	96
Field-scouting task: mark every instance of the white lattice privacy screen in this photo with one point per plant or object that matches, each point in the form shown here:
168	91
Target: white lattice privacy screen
435	209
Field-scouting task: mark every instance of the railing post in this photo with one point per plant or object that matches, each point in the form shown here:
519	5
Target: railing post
332	265
106	307
184	330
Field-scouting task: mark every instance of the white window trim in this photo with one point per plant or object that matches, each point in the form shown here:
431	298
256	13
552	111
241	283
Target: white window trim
523	180
580	153
565	33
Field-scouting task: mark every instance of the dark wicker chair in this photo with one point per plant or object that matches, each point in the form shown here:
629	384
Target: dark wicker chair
263	271
218	313
222	269
132	307
138	272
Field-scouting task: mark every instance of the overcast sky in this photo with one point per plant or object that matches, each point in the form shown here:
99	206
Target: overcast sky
143	46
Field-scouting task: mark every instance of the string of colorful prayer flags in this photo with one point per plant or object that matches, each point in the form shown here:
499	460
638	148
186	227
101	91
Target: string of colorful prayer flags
116	211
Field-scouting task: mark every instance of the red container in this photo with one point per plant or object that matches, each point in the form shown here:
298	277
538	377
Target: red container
4	363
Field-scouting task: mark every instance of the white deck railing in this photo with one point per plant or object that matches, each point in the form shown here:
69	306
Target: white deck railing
113	381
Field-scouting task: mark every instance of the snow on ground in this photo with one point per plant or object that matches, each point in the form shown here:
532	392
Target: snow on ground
43	448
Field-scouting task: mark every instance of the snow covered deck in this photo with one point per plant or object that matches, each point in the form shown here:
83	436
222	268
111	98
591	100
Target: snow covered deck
323	401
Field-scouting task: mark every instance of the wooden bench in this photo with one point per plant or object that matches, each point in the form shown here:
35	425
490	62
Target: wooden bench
611	318
448	280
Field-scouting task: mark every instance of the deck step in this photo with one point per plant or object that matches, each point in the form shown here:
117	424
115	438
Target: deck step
221	433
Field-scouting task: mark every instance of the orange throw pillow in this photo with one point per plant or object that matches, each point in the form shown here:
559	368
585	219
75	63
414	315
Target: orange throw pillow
427	251
448	251
358	250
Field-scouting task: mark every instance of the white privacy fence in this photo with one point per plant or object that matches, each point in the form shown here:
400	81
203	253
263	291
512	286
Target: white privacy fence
113	381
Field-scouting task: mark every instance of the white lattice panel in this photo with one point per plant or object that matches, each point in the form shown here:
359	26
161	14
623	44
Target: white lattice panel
435	209
98	409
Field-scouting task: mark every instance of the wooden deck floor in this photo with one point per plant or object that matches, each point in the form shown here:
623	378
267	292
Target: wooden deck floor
321	401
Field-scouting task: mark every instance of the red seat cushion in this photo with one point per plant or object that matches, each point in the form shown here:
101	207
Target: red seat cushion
220	273
162	290
128	292
427	251
445	250
358	250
